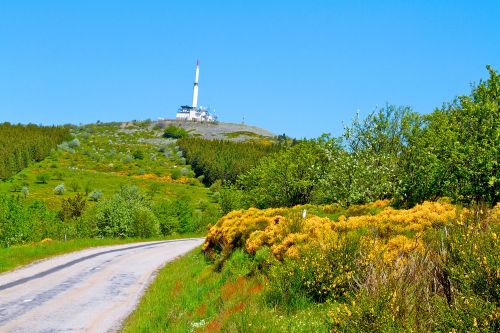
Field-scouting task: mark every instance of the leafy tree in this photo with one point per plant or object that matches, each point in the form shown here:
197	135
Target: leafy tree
126	214
72	207
286	178
456	153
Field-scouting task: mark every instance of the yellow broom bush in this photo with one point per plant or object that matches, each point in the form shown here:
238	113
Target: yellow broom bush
393	233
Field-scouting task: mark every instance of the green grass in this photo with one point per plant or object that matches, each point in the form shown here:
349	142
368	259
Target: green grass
189	296
19	255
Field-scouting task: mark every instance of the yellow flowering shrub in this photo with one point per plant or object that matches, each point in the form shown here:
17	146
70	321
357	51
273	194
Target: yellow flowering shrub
395	248
390	220
233	229
397	232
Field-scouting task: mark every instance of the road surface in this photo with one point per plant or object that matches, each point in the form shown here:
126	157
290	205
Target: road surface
92	290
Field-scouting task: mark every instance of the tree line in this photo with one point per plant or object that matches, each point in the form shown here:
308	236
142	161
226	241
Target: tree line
221	159
22	144
394	153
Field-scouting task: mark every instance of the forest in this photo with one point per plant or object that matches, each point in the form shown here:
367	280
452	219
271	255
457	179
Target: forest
223	160
22	144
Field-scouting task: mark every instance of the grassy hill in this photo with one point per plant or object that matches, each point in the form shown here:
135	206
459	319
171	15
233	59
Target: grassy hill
102	158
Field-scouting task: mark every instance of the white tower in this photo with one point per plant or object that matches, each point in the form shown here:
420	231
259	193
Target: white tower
195	89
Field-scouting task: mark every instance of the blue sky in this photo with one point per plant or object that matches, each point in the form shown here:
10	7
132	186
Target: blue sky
295	67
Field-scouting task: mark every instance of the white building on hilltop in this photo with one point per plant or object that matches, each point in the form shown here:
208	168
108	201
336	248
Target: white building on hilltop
195	113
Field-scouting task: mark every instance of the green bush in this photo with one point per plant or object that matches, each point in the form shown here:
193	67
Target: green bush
238	264
126	214
231	198
138	155
43	178
285	287
74	186
175	173
72	207
58	175
144	223
176	216
179	216
15	187
175	132
21	223
87	187
287	178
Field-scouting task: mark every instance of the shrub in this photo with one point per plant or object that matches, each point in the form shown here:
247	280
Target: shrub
238	264
138	155
126	214
43	178
95	195
15	187
175	132
74	186
287	178
72	207
175	173
154	188
231	199
74	143
175	216
184	171
59	189
21	223
144	223
431	268
285	287
87	187
395	230
58	175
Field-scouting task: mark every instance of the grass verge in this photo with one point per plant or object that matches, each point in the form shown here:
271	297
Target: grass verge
189	296
15	256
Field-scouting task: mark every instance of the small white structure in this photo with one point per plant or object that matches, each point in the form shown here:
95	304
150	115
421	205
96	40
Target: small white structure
193	113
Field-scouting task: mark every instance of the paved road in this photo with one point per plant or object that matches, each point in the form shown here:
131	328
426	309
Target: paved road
92	290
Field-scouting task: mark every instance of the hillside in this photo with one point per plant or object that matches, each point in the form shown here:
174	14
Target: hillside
83	186
219	130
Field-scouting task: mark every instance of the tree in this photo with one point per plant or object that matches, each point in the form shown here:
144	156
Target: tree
286	178
456	153
365	162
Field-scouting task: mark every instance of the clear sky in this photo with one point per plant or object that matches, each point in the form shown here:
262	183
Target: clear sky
295	67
